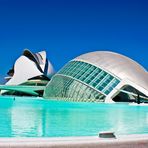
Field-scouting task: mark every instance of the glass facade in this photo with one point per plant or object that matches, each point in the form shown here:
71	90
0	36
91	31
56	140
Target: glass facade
81	81
90	75
69	89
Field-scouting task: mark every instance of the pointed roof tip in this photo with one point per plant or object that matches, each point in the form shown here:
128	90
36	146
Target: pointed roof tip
42	52
26	50
30	50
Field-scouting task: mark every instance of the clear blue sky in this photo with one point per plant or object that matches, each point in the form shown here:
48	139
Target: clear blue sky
68	28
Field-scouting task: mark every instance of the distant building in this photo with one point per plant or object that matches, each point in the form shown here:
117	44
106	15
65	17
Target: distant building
29	71
99	76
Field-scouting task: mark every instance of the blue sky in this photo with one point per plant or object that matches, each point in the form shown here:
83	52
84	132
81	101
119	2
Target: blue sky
68	28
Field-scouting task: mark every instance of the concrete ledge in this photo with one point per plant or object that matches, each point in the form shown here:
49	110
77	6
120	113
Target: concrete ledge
136	141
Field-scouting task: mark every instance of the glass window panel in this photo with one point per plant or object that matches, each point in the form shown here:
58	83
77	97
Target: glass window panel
98	70
103	85
110	77
114	85
107	92
100	77
94	84
95	74
88	81
92	77
82	78
110	89
107	81
97	81
100	88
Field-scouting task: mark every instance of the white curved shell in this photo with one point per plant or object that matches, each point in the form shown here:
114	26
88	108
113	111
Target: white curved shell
30	65
42	59
50	69
24	70
118	65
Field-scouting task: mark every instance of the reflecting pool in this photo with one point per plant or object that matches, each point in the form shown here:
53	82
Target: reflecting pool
36	117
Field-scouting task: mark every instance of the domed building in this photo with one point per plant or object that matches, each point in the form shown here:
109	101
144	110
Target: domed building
100	76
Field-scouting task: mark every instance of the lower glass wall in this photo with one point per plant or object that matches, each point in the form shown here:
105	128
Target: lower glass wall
68	89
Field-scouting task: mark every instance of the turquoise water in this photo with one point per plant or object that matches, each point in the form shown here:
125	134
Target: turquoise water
29	117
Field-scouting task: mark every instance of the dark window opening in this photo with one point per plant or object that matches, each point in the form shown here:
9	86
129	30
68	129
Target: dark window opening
130	94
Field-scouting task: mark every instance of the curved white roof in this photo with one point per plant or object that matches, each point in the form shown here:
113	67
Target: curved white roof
41	61
24	70
30	65
118	65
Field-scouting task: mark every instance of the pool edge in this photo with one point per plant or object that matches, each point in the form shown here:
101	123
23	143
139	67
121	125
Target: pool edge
130	141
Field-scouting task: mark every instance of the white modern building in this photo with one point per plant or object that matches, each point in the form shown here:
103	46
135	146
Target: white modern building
29	75
100	76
